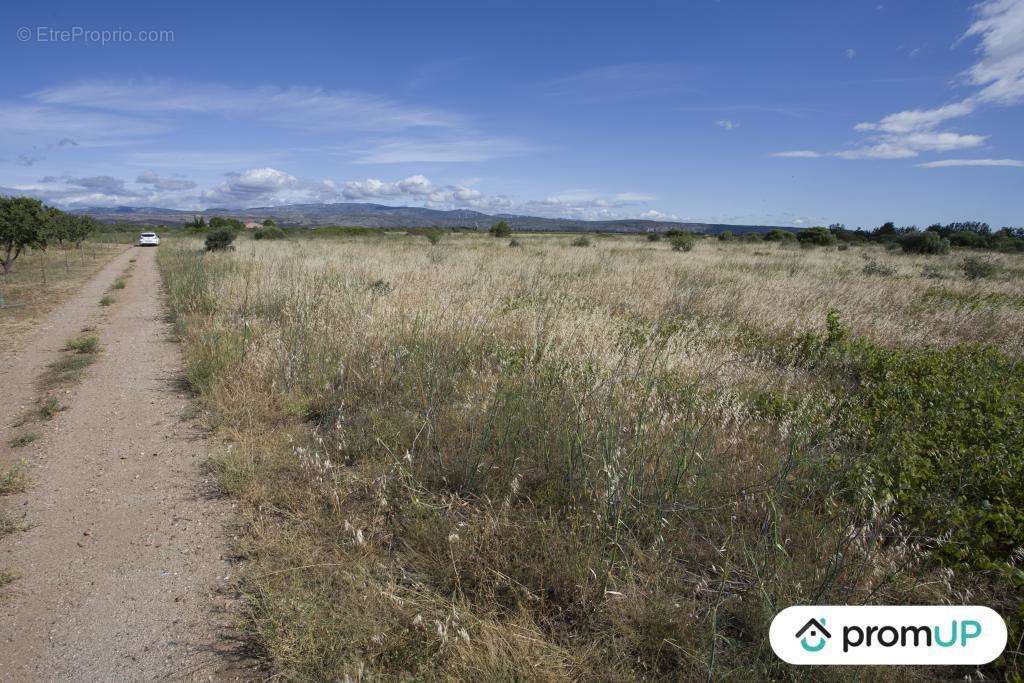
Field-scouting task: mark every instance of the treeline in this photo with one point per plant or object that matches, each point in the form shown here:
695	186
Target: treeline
27	223
937	238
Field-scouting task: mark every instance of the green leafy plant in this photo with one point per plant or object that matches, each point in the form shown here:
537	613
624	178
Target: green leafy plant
683	242
220	239
86	343
975	268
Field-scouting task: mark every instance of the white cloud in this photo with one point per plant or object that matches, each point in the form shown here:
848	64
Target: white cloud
254	185
654	215
437	151
850	53
87	127
295	107
167	184
948	163
917	119
798	154
999	73
726	124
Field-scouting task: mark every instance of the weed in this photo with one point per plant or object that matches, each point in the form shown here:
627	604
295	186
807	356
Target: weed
875	268
119	283
83	344
66	370
15	479
976	268
8	576
49	408
23	439
106	300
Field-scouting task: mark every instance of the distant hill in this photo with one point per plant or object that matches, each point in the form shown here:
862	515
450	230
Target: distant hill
381	216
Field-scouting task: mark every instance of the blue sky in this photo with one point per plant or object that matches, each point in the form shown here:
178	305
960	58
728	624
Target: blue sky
788	113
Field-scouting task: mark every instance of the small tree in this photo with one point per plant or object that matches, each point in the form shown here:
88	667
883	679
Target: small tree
727	236
683	242
220	239
433	236
779	236
927	242
500	229
23	225
269	223
818	236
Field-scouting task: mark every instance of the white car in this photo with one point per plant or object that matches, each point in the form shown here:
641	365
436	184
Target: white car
149	239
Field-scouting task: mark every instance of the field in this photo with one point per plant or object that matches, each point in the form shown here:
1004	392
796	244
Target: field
473	460
42	279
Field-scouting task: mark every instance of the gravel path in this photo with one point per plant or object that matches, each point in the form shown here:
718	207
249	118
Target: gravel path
124	565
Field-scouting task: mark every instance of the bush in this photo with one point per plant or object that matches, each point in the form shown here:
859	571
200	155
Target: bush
683	242
514	243
581	241
220	239
500	229
727	236
654	237
819	237
779	236
270	232
978	268
433	236
84	344
880	269
927	242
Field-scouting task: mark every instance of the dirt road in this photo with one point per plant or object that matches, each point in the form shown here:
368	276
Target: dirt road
124	560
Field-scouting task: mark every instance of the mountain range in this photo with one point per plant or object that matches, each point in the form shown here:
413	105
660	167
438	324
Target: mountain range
381	216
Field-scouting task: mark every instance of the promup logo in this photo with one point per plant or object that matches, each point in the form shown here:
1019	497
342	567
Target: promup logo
817	630
888	635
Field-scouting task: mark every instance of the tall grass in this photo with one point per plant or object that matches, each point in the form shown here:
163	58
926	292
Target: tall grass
547	463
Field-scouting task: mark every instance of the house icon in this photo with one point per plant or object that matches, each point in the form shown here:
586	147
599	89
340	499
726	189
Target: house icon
814	629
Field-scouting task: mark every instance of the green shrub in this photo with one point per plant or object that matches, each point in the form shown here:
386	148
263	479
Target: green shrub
433	236
269	232
220	239
83	344
654	237
500	229
880	269
683	242
975	268
514	243
819	237
937	441
779	236
927	242
726	236
581	241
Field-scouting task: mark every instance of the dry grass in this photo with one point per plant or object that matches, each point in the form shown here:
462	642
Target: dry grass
471	461
15	479
42	280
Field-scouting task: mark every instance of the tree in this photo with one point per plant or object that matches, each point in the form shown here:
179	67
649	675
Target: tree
220	239
500	229
683	241
269	223
779	236
23	224
818	236
885	230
